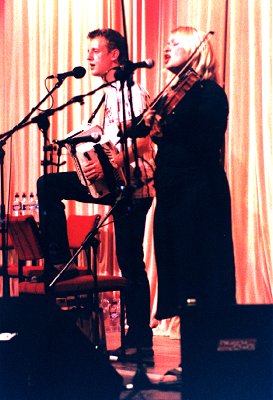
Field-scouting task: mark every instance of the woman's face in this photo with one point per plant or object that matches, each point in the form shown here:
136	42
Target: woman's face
175	56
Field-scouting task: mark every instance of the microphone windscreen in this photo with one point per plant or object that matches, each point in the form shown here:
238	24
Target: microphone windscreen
150	63
79	72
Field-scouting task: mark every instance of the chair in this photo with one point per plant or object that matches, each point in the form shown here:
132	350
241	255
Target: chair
78	227
83	288
23	230
28	252
24	234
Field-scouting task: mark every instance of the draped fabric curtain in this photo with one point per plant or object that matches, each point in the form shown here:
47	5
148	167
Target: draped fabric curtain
44	37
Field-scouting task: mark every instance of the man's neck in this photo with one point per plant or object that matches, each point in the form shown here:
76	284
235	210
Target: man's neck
110	74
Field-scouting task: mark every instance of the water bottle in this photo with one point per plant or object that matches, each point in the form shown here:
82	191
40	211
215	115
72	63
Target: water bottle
24	202
31	204
16	205
114	312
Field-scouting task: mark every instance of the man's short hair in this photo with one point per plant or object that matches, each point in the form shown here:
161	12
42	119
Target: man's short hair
115	41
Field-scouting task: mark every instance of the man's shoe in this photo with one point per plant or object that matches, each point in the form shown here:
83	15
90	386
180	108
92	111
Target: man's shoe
144	355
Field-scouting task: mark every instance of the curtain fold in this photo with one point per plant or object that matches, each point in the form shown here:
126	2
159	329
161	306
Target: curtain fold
44	37
249	146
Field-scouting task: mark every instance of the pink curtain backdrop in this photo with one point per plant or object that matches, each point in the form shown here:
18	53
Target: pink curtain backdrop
44	37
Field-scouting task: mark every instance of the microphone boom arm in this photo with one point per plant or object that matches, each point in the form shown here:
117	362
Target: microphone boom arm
49	112
25	121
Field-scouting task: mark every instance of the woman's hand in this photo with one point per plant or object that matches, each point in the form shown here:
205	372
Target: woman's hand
93	170
153	121
149	116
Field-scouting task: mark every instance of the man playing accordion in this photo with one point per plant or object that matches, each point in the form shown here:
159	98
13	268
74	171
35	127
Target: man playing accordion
106	52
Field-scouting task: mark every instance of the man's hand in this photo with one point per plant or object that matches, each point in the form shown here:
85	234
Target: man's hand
93	171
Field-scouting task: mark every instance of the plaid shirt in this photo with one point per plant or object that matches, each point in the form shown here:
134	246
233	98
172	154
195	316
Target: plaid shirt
113	117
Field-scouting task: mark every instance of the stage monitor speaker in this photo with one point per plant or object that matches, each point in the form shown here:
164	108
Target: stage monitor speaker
44	355
227	354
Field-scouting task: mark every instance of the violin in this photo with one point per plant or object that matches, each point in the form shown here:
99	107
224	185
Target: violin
170	100
176	93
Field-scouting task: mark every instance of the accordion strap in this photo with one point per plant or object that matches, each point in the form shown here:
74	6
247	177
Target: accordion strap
94	113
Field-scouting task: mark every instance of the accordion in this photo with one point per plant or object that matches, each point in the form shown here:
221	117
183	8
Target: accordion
84	149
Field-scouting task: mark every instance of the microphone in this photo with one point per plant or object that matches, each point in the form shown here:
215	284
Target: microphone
77	72
129	67
95	138
140	64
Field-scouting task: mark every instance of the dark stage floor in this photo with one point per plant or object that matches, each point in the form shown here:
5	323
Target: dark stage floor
227	356
166	357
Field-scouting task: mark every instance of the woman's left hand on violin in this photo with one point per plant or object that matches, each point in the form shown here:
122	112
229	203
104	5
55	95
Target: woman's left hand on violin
153	120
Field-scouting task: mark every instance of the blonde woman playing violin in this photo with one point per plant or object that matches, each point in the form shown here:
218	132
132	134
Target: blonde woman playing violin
192	224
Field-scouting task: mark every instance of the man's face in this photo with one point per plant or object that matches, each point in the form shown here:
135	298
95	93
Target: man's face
100	59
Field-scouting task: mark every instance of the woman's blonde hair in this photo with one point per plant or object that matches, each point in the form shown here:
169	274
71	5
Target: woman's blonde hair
204	62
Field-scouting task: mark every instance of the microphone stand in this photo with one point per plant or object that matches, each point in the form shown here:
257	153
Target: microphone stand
140	380
91	241
4	226
125	75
